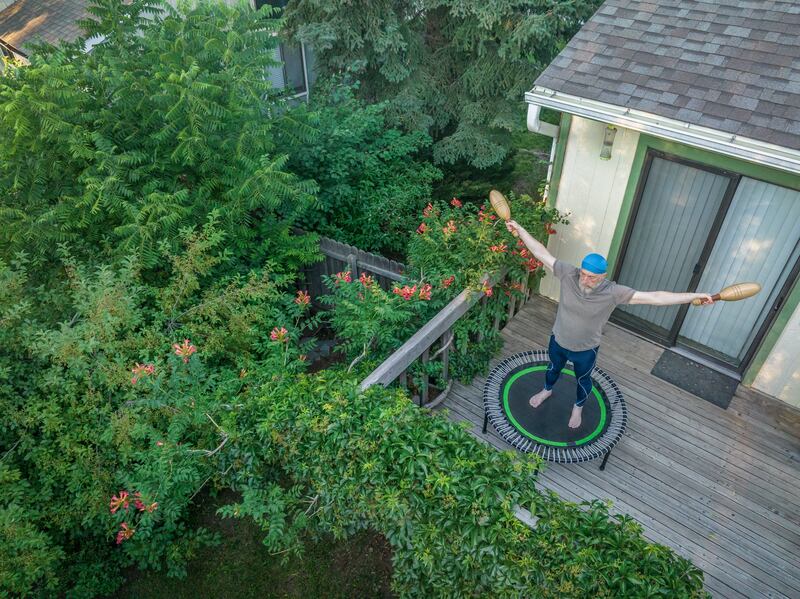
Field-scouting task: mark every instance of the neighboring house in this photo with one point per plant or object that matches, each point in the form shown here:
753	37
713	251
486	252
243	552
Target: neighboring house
678	155
297	73
23	22
26	21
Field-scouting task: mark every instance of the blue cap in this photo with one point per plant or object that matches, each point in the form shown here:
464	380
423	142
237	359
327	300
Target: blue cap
595	263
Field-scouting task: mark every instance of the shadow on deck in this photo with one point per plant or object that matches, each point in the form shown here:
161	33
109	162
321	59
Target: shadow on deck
718	486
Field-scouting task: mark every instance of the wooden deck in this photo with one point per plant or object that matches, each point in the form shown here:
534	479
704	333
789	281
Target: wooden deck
721	487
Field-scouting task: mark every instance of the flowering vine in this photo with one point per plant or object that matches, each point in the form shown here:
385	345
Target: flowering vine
141	370
184	350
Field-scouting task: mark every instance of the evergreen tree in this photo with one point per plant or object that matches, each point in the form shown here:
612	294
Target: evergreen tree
455	68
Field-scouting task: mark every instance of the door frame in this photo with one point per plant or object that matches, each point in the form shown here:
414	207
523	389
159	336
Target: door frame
734	178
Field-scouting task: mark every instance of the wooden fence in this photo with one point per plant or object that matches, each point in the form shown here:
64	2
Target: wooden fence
340	257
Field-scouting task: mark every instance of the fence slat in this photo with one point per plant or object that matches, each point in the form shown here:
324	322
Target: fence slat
359	260
447	338
423	395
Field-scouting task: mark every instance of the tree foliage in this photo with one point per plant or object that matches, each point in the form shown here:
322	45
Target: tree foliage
454	68
167	118
372	178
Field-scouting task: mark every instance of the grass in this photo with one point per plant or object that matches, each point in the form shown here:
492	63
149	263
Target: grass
240	567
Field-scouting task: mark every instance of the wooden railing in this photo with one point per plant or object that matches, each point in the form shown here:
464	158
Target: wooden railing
435	339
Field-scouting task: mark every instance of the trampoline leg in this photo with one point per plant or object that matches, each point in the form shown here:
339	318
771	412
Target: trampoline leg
485	422
605	459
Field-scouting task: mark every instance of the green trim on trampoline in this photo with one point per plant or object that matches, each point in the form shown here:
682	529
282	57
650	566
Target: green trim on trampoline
520	428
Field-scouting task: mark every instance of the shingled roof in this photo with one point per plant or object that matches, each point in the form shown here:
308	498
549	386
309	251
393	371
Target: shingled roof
26	21
729	65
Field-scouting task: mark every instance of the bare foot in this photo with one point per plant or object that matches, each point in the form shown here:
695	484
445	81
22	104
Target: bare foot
575	419
537	399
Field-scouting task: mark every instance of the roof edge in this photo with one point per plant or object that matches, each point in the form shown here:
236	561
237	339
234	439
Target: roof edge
705	138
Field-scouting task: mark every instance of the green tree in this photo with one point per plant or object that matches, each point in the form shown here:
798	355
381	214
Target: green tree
372	180
454	68
169	117
131	392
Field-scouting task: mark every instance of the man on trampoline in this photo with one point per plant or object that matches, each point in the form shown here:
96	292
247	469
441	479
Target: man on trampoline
587	301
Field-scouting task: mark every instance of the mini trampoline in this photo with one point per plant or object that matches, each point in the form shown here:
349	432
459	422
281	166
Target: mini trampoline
544	430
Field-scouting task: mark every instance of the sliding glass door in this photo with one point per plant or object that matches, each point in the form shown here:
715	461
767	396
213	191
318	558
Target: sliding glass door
696	228
675	215
759	241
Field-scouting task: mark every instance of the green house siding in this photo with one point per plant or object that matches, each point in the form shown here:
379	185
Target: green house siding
783	179
558	161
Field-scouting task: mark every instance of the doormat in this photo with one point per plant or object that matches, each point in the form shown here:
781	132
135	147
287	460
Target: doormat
697	379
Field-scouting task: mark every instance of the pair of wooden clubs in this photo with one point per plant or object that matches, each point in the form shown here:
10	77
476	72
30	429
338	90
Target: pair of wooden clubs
731	293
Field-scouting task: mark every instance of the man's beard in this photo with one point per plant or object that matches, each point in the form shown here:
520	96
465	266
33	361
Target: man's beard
585	290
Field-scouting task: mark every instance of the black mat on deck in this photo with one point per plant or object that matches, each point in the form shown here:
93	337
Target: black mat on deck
700	380
549	421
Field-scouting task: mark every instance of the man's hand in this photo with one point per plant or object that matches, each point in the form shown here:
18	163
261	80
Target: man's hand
705	299
513	225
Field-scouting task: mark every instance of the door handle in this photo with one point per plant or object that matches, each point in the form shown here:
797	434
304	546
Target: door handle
778	303
696	268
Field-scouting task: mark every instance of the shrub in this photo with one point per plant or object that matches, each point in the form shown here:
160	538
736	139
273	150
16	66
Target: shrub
372	180
117	414
443	500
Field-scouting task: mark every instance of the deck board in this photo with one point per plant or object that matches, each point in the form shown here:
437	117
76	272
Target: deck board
718	486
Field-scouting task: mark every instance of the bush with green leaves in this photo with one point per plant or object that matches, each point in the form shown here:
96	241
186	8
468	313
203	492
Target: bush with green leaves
445	501
167	119
371	322
467	242
372	179
117	397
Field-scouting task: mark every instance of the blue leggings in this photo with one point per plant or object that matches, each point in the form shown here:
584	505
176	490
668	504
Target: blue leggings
583	361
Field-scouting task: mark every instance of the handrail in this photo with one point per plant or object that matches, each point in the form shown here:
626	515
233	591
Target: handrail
422	340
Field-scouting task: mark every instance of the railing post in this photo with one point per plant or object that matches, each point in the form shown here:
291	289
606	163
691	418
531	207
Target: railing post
352	262
512	302
446	340
423	393
484	302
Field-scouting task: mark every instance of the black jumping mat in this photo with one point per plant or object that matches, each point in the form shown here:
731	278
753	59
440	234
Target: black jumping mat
698	379
547	424
544	430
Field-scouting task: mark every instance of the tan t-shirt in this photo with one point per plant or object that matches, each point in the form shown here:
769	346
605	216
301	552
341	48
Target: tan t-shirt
581	316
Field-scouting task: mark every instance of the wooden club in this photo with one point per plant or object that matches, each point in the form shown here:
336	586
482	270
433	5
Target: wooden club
500	205
734	293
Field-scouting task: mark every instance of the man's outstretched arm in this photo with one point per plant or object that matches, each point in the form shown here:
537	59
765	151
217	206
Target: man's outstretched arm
537	249
668	298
